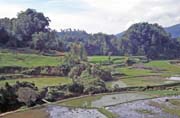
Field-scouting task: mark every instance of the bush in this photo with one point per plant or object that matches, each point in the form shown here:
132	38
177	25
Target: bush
101	74
54	94
76	88
96	86
130	61
76	71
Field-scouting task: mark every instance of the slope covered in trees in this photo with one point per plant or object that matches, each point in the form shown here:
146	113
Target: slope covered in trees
31	30
95	44
150	40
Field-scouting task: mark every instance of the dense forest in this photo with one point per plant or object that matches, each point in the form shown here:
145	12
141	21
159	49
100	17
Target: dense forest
150	40
31	30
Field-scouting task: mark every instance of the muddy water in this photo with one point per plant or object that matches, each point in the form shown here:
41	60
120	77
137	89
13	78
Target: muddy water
129	110
108	100
174	78
64	112
125	110
57	112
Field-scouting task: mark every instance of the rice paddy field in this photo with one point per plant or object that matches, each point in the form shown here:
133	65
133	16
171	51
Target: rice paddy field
142	73
153	72
40	82
28	60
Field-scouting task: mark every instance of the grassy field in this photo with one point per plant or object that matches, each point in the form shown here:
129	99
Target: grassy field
161	93
175	109
40	82
170	69
100	59
28	60
131	77
140	77
84	102
134	72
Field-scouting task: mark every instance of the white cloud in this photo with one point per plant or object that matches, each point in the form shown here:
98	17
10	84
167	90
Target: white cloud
10	10
113	16
109	16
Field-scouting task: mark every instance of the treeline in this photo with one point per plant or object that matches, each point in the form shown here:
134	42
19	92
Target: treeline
95	44
150	40
142	39
30	30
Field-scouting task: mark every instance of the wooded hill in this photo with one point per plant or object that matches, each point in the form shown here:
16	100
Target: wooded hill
31	30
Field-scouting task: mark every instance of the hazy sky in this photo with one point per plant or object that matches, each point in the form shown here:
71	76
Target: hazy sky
108	16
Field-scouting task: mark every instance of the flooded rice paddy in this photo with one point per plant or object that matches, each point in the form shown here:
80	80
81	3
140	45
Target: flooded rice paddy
146	109
124	108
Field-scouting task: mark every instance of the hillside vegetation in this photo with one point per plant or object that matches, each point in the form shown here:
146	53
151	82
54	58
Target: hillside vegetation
143	39
40	65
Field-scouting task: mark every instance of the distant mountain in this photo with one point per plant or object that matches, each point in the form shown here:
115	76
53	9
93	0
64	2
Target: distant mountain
174	30
120	34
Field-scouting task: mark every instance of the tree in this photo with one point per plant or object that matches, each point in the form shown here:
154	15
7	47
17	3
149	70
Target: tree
76	71
76	54
28	22
4	36
18	31
78	50
149	40
46	41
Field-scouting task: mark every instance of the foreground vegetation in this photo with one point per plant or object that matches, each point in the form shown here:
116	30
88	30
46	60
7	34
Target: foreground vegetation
98	74
33	78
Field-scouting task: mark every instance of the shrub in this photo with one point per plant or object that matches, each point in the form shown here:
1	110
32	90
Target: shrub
76	71
27	95
96	86
54	94
76	88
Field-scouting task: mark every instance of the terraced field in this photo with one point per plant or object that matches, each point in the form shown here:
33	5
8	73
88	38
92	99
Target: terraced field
105	105
145	74
40	82
28	60
153	108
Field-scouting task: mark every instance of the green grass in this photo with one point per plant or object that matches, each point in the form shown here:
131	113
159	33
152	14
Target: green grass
142	81
170	69
166	108
100	59
161	93
139	77
175	102
145	111
28	60
40	82
107	113
84	102
97	59
134	72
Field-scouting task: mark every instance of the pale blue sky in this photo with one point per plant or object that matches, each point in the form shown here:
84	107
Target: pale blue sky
108	16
